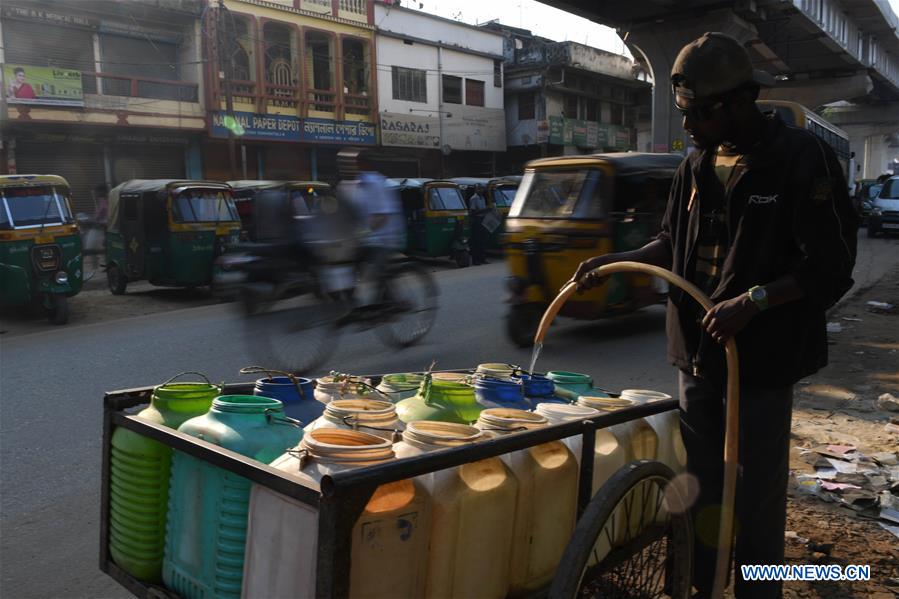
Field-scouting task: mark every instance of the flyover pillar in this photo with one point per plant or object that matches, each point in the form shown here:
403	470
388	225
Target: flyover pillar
659	42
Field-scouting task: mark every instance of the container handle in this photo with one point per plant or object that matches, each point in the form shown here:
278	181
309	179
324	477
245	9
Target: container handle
271	372
272	417
301	454
517	429
205	378
352	421
348	379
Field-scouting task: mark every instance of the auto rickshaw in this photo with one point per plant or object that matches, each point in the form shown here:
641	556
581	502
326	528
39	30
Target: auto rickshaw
40	247
168	232
500	193
436	219
571	208
265	207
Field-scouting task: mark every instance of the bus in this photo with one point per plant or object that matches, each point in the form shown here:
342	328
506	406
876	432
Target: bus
800	116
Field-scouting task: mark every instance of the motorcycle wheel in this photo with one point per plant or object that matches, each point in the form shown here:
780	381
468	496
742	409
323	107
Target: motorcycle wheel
116	280
413	292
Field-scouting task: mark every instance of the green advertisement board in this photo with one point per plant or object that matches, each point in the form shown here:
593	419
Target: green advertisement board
25	84
588	134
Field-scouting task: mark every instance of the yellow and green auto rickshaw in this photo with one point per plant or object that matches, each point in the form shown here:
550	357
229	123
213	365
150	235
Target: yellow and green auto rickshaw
436	219
267	207
499	195
168	232
40	247
571	208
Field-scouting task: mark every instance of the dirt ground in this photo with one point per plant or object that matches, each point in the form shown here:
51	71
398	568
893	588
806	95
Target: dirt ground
839	406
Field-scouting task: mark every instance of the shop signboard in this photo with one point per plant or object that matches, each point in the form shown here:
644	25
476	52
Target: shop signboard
588	134
26	84
283	127
409	130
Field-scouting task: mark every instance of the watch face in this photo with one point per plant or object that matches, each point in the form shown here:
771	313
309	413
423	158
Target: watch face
758	294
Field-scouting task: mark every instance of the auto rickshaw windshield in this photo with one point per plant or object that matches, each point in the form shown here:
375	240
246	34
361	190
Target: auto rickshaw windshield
204	205
33	207
446	198
573	193
504	196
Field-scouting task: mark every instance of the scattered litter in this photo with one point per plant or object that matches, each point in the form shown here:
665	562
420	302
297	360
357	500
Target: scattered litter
841	449
880	306
888	401
834	327
850	319
829	486
886	458
793	536
891	428
843	467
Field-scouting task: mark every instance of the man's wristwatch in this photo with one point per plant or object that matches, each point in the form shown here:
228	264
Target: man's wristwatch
759	297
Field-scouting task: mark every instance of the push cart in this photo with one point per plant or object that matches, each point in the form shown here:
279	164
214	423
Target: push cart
654	561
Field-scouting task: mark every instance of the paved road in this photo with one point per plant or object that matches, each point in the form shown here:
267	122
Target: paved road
53	382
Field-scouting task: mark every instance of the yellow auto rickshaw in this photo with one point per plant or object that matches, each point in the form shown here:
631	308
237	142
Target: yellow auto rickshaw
499	194
40	248
436	219
571	208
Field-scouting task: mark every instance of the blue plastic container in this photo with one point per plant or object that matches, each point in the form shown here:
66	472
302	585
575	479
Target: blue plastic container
496	393
539	389
304	408
207	516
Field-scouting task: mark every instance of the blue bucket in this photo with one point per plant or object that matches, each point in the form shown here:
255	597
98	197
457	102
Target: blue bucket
496	393
539	389
305	408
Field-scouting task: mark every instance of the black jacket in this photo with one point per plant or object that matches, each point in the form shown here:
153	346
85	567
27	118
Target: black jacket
788	213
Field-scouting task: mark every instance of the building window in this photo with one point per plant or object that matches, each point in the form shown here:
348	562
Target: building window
526	106
497	73
243	58
452	89
409	84
617	117
592	110
319	60
279	66
569	106
355	66
474	92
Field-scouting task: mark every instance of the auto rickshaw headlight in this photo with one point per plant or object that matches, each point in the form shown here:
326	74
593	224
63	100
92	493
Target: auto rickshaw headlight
62	277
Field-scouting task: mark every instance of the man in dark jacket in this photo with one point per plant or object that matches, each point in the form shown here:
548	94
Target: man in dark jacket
760	220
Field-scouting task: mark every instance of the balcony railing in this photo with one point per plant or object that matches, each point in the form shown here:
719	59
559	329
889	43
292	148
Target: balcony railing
282	96
321	100
354	6
139	87
357	104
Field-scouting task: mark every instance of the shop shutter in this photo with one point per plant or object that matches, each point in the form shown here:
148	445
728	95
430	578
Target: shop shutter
44	45
137	162
80	164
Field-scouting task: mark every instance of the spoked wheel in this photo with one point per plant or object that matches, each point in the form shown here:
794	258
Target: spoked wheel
634	540
410	297
295	334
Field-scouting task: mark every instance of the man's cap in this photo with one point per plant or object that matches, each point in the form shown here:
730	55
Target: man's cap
712	65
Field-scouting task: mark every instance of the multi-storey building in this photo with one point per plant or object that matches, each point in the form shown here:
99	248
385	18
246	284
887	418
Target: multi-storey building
101	92
299	76
440	90
568	98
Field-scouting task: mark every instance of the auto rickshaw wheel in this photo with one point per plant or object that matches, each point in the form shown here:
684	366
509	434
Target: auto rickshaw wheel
522	322
635	539
462	258
59	309
116	280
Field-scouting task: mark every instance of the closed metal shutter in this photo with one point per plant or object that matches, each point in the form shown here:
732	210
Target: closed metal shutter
45	45
80	164
137	162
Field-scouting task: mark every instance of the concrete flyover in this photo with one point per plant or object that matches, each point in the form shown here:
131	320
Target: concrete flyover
817	51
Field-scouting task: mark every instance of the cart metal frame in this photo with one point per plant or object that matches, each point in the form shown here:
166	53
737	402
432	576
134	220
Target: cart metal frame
342	496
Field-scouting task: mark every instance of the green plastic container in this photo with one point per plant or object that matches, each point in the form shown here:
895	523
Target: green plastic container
139	479
443	397
578	383
207	523
400	386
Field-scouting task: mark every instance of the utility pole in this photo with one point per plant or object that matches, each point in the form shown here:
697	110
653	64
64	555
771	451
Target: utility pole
226	55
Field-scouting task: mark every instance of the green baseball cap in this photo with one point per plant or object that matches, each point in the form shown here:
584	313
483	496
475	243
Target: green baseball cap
712	65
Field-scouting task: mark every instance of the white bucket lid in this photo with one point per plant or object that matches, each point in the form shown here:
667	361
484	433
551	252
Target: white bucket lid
433	434
560	412
509	420
644	395
605	404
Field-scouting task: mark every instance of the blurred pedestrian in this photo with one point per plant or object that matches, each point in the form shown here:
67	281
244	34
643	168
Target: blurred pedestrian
101	204
477	210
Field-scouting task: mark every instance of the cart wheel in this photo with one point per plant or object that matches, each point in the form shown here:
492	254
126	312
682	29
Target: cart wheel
116	280
59	309
635	539
522	322
462	258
